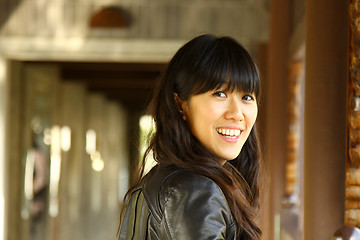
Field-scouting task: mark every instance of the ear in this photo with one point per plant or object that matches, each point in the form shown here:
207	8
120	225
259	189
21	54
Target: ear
180	105
178	102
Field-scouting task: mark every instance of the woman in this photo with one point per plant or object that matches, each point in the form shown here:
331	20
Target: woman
206	182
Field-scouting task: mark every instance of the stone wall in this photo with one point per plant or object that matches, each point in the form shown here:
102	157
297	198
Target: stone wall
151	19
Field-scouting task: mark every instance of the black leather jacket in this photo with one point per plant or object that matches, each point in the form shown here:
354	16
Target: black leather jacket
173	203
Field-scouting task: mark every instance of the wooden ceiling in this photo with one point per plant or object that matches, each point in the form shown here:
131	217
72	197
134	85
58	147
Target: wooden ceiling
127	83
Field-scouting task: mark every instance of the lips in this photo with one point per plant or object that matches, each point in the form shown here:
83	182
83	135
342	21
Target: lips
229	132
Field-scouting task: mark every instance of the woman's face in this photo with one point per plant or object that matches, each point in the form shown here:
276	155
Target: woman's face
221	120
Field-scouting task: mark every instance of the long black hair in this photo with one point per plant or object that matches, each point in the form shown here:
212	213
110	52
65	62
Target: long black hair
204	64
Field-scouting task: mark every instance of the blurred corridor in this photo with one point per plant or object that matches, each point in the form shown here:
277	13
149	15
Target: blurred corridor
76	76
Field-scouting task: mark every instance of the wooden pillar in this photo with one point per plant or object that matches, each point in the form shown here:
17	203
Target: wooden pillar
3	225
296	77
352	203
72	114
276	103
325	117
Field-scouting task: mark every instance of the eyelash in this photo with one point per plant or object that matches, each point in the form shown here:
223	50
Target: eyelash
221	94
248	98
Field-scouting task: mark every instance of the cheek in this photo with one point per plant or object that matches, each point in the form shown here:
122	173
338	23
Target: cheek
251	115
205	112
202	121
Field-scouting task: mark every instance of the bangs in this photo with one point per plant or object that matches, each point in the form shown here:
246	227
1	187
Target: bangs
208	63
231	68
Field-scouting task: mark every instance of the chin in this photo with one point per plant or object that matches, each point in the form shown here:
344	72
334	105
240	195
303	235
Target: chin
230	157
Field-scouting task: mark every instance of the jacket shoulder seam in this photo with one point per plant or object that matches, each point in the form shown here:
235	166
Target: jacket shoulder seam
158	216
169	189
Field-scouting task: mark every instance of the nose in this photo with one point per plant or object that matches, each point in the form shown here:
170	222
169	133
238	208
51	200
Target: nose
234	110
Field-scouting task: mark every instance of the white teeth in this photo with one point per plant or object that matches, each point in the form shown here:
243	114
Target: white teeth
229	132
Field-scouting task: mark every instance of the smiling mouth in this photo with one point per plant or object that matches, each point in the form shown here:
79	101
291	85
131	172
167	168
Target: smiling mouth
229	133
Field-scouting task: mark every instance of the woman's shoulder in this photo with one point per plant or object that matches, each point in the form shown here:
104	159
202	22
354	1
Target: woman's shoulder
164	178
164	183
180	196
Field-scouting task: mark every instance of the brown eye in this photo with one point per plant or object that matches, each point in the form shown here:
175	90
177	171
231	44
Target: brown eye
248	98
220	94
